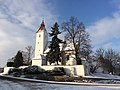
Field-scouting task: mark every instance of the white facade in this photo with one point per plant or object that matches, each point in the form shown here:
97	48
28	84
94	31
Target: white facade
41	45
37	60
41	41
73	70
71	60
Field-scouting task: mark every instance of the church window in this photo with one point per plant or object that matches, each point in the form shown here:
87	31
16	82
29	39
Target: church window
67	57
39	35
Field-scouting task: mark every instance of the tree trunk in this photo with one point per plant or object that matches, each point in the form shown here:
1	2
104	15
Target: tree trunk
79	62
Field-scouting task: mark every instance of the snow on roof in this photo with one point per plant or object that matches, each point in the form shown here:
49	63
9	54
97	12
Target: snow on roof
46	51
69	47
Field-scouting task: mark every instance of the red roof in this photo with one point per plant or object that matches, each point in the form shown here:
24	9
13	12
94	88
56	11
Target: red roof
42	27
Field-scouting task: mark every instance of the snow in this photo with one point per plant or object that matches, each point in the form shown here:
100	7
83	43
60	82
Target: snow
111	79
100	83
9	85
27	85
109	76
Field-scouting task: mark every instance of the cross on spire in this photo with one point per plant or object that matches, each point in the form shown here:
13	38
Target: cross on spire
42	26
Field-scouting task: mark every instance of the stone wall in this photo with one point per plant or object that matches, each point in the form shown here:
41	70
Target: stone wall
6	69
74	70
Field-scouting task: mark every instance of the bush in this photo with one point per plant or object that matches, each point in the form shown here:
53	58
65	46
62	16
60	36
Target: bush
10	64
58	71
33	70
18	61
15	72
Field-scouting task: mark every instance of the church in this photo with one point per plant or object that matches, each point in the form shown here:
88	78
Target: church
67	62
67	54
41	49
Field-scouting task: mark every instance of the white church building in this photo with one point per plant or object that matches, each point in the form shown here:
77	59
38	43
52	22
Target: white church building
68	61
68	57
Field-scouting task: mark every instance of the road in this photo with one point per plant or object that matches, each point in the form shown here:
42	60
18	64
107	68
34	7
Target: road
19	85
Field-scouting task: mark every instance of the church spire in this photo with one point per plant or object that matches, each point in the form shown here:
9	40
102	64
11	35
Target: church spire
42	26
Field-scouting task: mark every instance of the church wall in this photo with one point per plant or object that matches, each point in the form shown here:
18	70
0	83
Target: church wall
39	44
37	62
75	70
45	39
6	69
70	70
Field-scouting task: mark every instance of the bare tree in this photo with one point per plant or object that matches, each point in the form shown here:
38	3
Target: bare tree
75	33
106	64
108	59
100	52
113	56
30	52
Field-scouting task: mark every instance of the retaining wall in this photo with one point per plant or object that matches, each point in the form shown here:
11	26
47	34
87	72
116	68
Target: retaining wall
74	70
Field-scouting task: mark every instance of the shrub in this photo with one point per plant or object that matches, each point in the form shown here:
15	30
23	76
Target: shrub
58	71
10	64
15	72
33	70
18	61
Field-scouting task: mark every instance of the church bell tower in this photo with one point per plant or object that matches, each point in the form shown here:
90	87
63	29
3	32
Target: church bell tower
41	40
40	46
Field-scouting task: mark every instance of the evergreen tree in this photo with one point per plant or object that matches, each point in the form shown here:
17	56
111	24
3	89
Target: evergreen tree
54	53
18	61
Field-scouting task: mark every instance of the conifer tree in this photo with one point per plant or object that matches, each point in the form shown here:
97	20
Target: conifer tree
18	61
54	53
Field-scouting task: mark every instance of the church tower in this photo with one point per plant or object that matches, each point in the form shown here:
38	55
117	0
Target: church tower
41	40
41	45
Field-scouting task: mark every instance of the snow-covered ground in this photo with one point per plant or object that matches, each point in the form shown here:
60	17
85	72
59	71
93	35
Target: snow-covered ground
102	75
106	76
10	85
19	85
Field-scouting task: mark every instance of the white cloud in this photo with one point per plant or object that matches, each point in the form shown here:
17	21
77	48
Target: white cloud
105	30
19	20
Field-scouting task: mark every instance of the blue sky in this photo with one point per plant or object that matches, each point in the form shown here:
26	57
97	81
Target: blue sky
85	10
20	19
